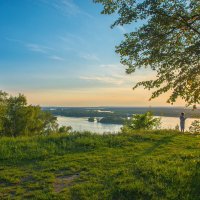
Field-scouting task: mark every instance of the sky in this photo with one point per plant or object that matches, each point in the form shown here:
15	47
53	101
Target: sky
62	53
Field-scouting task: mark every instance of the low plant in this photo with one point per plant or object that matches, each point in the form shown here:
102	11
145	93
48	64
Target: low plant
195	127
144	121
65	129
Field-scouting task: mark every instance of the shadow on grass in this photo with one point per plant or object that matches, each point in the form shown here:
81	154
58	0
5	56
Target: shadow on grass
195	183
162	142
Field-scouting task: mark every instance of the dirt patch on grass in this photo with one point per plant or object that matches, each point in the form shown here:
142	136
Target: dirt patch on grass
63	182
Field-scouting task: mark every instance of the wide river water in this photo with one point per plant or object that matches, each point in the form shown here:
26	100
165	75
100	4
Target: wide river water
82	124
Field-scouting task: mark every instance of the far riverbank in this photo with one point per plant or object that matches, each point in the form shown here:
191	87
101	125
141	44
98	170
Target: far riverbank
82	124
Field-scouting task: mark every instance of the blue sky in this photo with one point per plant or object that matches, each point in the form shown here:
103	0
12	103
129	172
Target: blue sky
62	52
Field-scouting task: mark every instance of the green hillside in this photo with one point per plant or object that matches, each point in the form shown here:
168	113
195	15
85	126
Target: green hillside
138	165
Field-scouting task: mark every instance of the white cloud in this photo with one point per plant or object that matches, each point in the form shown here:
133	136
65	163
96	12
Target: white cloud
54	57
117	79
103	79
110	65
66	7
38	48
72	40
122	29
47	51
113	68
32	46
90	57
115	75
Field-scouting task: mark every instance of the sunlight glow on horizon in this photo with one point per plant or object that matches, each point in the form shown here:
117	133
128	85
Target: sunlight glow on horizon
95	98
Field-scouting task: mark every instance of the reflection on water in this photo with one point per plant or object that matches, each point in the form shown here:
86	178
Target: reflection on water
82	124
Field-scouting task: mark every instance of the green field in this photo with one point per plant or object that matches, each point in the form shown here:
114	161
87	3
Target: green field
138	165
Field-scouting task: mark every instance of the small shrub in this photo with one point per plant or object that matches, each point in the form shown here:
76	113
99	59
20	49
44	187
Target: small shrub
142	121
177	127
195	127
91	119
65	129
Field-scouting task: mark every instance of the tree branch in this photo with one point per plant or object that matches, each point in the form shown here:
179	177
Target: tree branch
189	25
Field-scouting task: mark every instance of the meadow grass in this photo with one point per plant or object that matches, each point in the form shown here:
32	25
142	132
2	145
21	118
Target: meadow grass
136	165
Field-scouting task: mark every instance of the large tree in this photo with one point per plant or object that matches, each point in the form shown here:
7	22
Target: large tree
166	40
19	118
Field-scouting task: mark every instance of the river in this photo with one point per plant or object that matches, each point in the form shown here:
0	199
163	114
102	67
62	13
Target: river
82	124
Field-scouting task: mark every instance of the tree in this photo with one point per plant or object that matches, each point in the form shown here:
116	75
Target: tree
18	118
91	119
167	41
15	120
142	121
3	108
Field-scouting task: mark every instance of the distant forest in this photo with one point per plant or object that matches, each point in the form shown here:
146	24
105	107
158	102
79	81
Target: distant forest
121	112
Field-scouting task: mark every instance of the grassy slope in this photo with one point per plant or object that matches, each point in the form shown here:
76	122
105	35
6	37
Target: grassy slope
154	165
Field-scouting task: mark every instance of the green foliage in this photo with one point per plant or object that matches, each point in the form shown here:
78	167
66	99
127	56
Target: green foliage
195	127
3	106
122	112
18	118
142	121
136	165
112	120
166	40
64	129
177	127
91	119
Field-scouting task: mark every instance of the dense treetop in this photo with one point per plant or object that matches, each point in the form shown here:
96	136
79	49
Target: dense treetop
19	118
167	41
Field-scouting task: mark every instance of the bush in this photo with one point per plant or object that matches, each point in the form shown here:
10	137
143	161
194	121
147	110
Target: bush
91	119
64	129
195	127
142	121
177	127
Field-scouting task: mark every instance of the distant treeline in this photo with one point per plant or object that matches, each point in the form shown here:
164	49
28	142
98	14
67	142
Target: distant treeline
78	112
112	120
122	112
108	120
